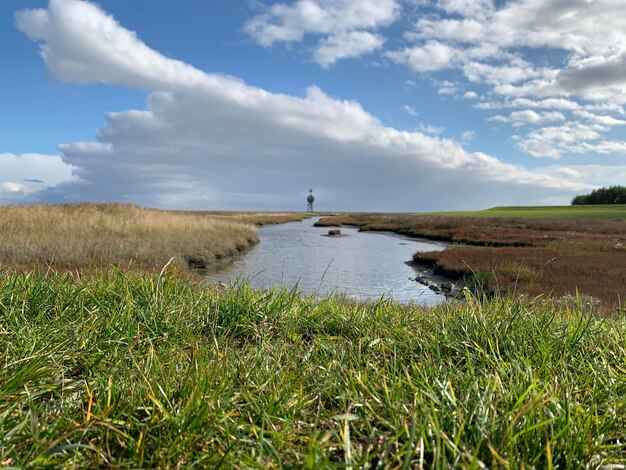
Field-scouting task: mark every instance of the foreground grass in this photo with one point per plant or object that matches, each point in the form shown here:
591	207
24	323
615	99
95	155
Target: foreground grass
136	371
600	211
95	235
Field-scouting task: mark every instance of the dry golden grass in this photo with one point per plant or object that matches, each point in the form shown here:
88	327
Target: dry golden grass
95	235
257	218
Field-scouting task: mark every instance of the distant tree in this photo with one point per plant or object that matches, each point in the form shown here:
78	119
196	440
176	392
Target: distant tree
611	195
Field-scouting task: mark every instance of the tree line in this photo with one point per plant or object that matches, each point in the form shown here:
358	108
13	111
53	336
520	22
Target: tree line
611	195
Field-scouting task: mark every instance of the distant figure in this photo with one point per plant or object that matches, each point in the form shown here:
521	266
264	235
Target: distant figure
309	201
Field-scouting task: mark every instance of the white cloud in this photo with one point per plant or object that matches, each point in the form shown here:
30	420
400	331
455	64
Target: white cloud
410	110
606	107
289	22
554	141
470	95
429	57
207	140
597	76
488	105
549	103
591	32
500	75
467	136
34	171
565	57
11	187
573	137
447	88
579	110
528	116
430	129
604	146
345	25
602	120
467	8
24	175
346	45
499	118
110	54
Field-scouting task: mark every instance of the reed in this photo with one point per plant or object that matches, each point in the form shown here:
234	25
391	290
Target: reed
259	218
96	235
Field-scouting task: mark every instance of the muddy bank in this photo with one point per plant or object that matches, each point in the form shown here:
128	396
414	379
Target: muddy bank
440	284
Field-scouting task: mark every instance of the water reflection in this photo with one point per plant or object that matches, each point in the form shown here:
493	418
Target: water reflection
359	265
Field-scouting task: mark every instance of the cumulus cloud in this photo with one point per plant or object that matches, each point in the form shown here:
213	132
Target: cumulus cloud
24	175
528	117
11	187
582	136
467	136
345	26
602	120
561	56
467	8
595	76
447	88
430	129
429	57
346	45
484	42
549	103
101	50
206	140
554	141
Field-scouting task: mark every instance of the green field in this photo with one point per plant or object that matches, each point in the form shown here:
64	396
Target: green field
604	211
138	371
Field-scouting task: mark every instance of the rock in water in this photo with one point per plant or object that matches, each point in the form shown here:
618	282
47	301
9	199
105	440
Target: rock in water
334	232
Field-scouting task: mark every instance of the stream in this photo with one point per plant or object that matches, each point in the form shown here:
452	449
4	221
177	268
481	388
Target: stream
359	265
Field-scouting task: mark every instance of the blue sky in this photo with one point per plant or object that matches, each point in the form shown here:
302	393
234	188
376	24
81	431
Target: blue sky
407	105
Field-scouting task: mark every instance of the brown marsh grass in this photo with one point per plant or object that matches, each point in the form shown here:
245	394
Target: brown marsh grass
523	256
481	231
535	271
95	235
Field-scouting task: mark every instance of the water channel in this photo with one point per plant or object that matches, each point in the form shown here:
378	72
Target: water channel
357	264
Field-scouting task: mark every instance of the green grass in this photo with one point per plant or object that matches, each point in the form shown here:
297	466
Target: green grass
605	211
128	370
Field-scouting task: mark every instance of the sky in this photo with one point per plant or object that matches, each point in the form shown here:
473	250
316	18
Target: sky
377	105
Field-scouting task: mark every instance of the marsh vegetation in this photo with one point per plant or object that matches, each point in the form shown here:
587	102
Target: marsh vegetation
518	255
132	369
79	236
